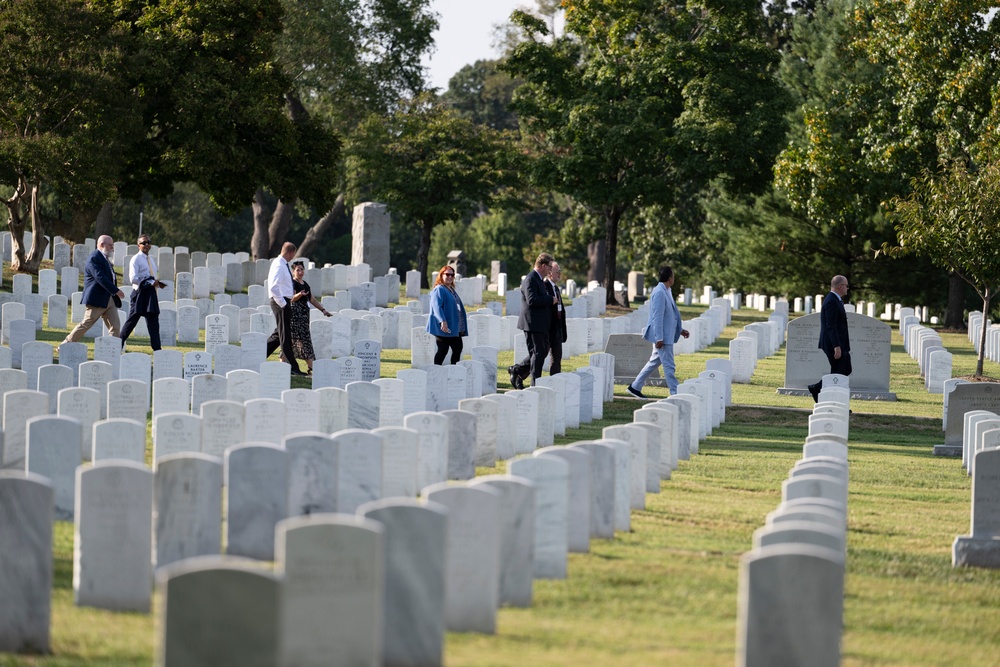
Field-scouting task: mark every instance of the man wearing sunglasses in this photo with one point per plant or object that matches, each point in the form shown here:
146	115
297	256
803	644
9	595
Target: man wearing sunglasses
144	302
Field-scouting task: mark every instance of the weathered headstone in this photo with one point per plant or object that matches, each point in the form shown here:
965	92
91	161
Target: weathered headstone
26	513
113	498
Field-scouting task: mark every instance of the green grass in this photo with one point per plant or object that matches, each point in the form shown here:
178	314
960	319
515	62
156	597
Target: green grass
665	593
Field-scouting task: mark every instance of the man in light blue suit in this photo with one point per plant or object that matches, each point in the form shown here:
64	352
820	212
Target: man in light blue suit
663	330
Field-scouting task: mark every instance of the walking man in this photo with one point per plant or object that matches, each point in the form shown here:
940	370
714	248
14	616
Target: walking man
535	321
833	337
279	287
557	332
100	288
144	302
663	330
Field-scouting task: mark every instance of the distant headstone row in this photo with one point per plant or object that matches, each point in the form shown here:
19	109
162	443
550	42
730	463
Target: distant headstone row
791	594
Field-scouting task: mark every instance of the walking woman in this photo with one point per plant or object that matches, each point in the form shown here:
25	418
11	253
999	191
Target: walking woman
447	319
301	336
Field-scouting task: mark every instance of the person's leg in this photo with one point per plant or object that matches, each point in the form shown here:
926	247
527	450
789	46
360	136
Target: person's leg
130	322
541	350
456	350
442	350
647	370
555	348
153	326
110	317
669	368
274	340
90	317
285	337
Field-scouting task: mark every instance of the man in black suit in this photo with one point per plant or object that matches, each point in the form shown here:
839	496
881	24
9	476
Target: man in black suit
535	321
833	337
557	332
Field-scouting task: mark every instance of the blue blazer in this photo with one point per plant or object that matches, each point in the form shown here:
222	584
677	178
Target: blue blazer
444	308
664	318
98	281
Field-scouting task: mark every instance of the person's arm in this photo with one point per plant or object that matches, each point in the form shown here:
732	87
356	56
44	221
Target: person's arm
538	295
829	315
657	310
105	276
136	270
273	283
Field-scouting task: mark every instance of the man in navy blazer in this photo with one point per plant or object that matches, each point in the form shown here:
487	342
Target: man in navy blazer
99	286
663	330
535	321
833	337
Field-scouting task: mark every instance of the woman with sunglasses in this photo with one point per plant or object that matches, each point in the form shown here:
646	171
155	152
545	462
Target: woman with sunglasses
447	320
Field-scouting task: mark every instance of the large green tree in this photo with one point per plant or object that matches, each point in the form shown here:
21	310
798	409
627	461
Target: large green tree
345	59
643	96
890	90
953	216
68	115
429	165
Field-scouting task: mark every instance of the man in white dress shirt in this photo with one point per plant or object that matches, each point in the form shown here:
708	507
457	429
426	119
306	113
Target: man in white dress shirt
280	290
144	302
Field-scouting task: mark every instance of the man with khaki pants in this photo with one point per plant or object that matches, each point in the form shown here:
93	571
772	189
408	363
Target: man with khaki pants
99	286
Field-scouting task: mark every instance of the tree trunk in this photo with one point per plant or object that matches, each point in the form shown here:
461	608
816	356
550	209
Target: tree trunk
987	296
281	222
19	262
612	218
425	247
259	243
104	222
316	233
955	310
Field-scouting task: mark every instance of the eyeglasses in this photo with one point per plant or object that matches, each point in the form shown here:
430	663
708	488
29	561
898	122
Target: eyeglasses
145	243
449	275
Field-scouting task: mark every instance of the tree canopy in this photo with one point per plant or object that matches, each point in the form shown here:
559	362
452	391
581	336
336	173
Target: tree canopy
953	217
429	165
643	96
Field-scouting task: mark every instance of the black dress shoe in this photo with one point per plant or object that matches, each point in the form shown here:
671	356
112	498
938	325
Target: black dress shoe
814	390
635	392
515	378
296	371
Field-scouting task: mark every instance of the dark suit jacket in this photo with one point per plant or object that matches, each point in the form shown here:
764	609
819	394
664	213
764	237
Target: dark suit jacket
558	328
833	326
536	304
144	300
98	281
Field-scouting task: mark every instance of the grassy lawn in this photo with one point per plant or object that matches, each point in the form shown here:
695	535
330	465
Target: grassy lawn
665	593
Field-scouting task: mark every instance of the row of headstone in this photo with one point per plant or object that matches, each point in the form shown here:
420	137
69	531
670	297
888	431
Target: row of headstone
176	510
791	593
631	351
871	350
961	398
496	535
981	454
924	345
